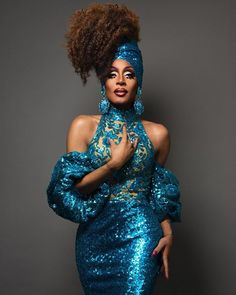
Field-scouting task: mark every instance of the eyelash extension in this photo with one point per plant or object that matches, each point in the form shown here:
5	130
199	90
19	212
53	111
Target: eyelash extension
110	75
131	75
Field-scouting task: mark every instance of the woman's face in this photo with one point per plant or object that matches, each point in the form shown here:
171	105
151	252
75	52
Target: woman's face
121	84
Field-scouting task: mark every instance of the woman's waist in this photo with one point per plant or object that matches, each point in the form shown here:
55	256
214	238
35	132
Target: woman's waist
127	195
128	189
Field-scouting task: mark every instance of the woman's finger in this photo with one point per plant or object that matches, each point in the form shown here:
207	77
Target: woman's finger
166	266
158	248
124	135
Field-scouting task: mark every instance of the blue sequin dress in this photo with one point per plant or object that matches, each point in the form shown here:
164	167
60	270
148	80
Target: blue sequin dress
120	221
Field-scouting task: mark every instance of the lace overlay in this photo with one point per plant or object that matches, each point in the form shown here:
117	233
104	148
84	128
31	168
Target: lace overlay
133	179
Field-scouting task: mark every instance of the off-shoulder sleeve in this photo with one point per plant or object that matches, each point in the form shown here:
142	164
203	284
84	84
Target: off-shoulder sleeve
62	195
165	194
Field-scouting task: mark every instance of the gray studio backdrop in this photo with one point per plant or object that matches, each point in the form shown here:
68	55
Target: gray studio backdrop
188	86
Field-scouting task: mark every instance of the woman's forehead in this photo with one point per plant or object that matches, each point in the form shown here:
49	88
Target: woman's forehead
121	63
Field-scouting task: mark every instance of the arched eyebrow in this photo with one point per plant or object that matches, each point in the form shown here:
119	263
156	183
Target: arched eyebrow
116	69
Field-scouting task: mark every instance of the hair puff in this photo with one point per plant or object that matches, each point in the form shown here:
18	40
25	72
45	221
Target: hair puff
94	34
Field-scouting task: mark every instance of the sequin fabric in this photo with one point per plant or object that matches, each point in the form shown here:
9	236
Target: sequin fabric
121	227
66	199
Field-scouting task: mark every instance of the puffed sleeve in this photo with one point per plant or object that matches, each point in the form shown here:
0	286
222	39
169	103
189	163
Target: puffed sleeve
62	195
165	194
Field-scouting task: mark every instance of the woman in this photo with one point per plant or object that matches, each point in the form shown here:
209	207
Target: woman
112	179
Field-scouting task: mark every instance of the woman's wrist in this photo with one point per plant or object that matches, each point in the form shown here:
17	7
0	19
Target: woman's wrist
110	166
168	234
166	227
113	166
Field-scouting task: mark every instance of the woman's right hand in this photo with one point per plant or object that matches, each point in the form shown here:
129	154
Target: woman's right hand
122	152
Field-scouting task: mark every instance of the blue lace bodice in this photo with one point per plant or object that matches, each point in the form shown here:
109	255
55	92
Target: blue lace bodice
140	179
133	179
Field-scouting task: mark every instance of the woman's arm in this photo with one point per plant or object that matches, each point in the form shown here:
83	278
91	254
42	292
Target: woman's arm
78	137
92	180
162	137
162	144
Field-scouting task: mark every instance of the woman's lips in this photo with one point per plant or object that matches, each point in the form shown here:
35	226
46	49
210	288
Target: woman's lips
120	92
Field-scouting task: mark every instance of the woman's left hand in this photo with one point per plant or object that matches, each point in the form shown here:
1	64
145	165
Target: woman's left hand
164	244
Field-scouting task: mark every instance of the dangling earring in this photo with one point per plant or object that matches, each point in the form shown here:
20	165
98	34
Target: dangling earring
104	103
138	104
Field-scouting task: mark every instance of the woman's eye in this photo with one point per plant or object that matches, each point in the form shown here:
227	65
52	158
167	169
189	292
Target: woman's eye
130	75
111	75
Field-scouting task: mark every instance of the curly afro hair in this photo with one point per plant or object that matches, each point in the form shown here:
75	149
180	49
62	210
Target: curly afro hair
94	34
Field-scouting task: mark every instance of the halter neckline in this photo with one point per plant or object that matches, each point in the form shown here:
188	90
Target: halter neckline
119	114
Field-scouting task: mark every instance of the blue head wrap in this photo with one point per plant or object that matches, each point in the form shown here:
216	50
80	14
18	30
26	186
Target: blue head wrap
129	51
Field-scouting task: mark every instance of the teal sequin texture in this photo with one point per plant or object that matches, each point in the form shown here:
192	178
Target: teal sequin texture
119	224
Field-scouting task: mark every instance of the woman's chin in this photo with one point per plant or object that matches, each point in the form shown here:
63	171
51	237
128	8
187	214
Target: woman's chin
121	101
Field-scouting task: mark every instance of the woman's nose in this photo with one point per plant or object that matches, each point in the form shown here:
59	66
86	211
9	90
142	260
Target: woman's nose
121	81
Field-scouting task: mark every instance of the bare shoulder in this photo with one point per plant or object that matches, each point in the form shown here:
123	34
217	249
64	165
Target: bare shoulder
156	127
84	121
160	138
157	132
80	131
